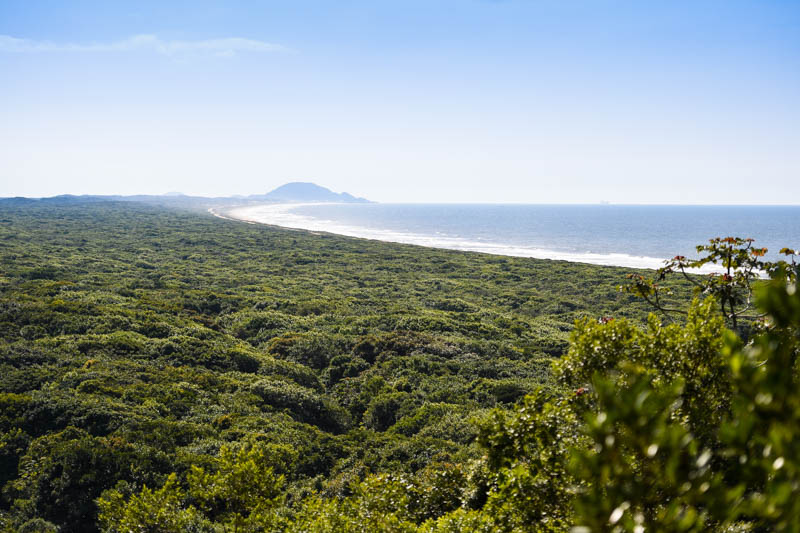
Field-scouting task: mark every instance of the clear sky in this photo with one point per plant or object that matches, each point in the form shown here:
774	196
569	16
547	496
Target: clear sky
538	101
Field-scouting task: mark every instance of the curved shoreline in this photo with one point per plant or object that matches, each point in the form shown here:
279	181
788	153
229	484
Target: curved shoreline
280	215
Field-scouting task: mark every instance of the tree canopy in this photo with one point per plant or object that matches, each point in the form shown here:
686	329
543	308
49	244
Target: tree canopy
168	371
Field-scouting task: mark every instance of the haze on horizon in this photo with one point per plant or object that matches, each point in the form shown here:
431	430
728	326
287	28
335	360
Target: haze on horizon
415	101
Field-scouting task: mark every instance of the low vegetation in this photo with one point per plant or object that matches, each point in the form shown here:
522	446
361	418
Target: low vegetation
165	370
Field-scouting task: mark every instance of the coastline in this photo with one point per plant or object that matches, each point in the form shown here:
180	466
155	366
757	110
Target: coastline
281	215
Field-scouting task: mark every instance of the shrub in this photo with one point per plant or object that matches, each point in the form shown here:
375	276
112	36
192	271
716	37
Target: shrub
386	409
311	349
304	404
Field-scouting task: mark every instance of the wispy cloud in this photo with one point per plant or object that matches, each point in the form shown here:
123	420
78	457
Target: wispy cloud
218	47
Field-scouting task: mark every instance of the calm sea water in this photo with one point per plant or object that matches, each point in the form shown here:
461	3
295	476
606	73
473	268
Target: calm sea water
634	236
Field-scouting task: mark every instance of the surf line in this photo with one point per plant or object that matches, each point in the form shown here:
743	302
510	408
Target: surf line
212	211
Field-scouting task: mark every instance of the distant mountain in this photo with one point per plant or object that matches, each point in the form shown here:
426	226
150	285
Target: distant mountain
291	192
300	191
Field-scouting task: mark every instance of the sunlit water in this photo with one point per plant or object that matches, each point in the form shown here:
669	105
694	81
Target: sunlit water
622	235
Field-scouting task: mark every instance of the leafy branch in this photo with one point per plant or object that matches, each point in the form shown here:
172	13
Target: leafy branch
739	266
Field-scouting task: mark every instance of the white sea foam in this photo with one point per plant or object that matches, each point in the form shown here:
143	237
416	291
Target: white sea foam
283	215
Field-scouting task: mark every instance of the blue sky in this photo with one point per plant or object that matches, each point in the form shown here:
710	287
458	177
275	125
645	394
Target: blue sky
456	101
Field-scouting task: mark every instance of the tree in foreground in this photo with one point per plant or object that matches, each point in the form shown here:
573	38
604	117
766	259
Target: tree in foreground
735	266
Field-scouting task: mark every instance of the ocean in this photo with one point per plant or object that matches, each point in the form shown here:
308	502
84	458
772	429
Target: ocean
637	236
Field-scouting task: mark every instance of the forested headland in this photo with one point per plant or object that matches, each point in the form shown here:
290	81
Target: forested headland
166	370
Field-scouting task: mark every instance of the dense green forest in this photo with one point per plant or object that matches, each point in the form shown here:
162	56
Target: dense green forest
165	370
